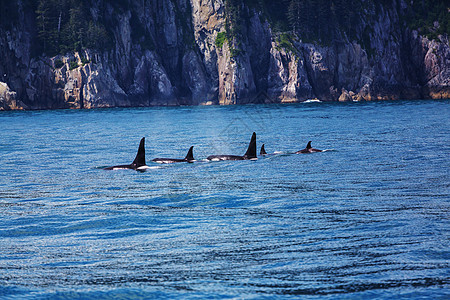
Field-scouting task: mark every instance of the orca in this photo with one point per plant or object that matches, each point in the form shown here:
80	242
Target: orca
250	154
189	158
263	150
308	149
138	163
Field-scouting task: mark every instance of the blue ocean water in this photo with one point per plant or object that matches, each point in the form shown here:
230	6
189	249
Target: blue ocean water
368	218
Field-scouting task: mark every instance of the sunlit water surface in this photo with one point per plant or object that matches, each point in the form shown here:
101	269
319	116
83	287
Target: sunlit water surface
367	219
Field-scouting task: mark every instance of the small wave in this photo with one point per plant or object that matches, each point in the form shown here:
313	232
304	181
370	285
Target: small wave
312	101
143	168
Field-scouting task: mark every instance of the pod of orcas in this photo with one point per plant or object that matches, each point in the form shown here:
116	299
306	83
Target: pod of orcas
139	163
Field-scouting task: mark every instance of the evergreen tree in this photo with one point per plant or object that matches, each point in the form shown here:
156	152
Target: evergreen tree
76	27
46	23
66	25
294	15
97	36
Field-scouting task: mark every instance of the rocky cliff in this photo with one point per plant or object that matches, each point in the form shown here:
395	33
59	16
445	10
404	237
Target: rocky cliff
168	52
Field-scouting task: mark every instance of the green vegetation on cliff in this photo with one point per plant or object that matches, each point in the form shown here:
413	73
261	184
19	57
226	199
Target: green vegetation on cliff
429	17
312	20
326	20
234	19
67	25
71	25
220	39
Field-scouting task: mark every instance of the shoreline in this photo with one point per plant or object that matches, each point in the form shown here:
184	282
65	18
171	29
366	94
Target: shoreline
318	102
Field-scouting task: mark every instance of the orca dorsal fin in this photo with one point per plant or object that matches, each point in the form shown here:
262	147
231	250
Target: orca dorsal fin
251	150
139	161
309	145
263	150
190	154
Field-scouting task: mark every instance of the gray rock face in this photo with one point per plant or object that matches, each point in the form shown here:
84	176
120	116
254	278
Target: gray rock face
180	63
287	77
436	65
8	99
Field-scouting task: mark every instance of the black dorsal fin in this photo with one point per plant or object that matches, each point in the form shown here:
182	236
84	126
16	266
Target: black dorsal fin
251	151
309	145
263	150
139	161
190	154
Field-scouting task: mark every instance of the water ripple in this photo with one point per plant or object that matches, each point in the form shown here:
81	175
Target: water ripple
368	220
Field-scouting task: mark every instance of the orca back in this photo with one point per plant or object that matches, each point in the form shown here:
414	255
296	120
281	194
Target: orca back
225	157
139	161
308	149
251	150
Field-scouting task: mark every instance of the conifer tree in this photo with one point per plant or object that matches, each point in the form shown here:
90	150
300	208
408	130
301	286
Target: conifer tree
46	23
